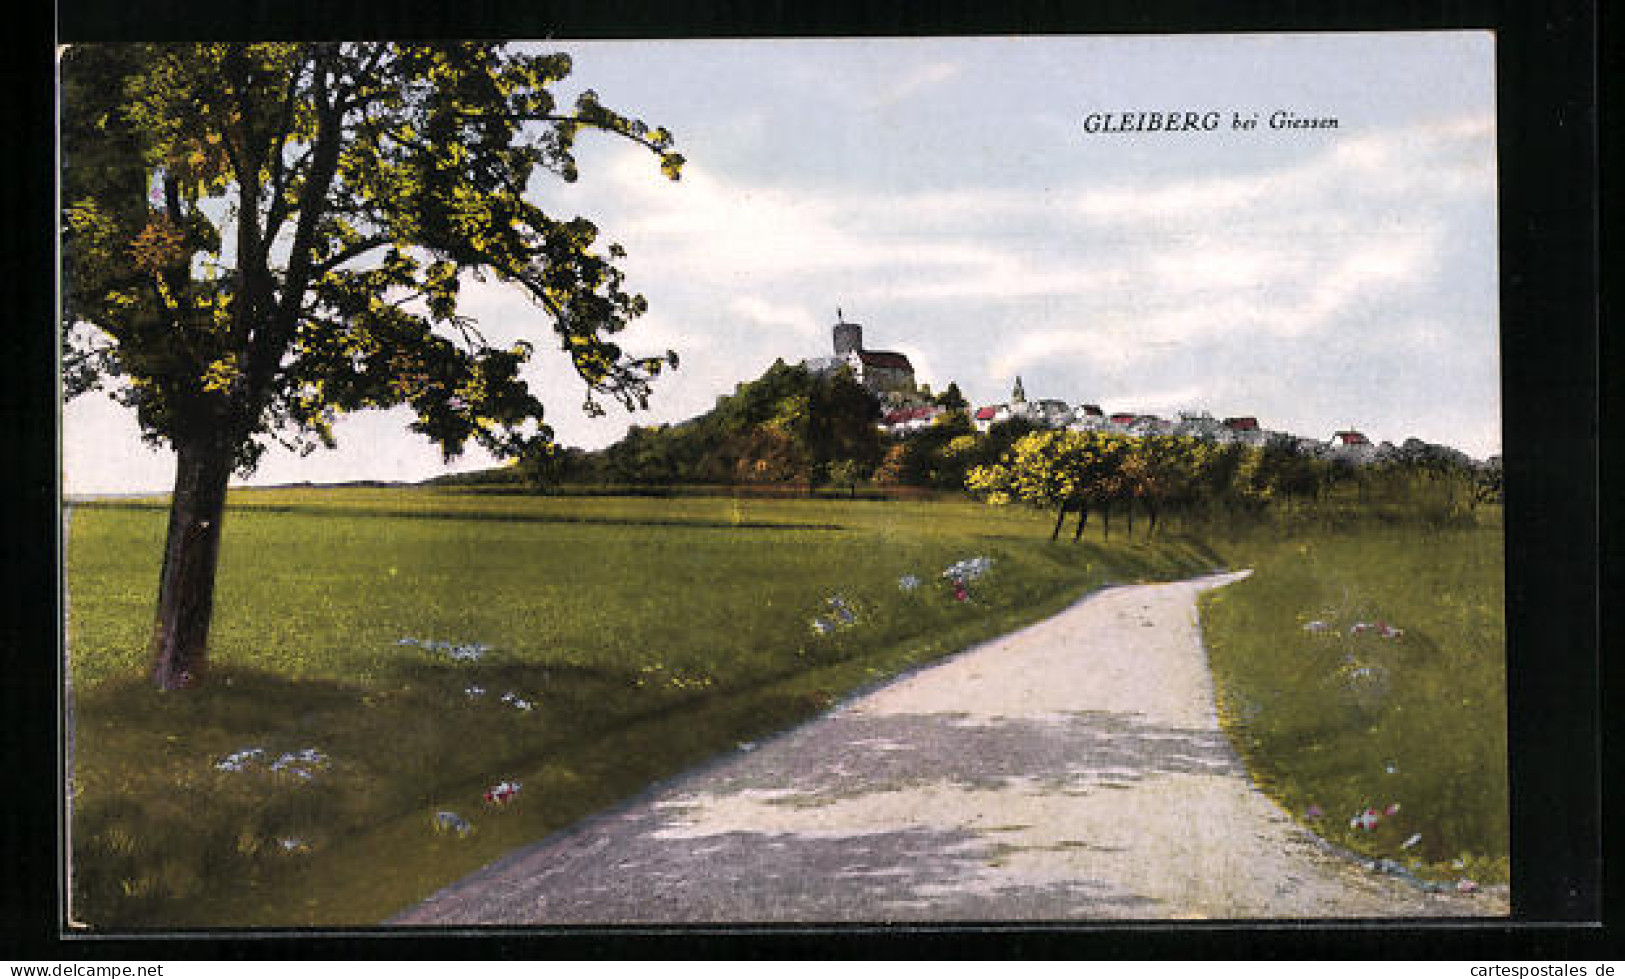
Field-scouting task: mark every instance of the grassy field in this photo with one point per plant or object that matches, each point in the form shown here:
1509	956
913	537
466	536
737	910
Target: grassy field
1335	718
621	640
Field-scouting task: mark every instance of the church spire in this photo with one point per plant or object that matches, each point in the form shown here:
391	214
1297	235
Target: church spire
1019	396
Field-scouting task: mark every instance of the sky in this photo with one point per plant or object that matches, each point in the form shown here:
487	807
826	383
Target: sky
945	194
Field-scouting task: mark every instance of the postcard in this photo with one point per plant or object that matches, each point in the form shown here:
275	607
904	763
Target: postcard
795	481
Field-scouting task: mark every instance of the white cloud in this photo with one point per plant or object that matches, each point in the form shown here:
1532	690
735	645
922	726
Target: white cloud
1363	214
924	77
793	318
1165	401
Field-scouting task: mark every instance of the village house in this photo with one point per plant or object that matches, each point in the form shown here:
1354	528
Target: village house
1246	430
1050	412
1088	418
1350	444
987	416
1310	448
902	421
1200	425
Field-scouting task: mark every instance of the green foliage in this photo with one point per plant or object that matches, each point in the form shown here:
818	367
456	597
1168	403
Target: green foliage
1344	719
687	633
787	426
1283	471
258	238
938	456
848	473
1061	470
1213	485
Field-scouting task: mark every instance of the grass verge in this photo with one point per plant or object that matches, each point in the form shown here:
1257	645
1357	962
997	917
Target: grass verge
1363	670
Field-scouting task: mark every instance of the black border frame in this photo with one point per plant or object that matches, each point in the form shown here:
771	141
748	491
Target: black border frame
1547	65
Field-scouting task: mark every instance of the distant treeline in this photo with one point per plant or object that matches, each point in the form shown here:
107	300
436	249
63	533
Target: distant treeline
788	430
796	432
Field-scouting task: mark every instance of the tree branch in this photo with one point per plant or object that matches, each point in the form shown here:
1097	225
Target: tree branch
273	336
643	139
280	173
345	254
343	98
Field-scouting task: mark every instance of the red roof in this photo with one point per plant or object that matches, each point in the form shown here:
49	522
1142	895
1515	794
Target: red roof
1246	423
911	414
884	358
986	414
1091	410
1124	417
1352	438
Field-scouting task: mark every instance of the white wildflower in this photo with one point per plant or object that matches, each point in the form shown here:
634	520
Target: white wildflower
969	569
446	821
239	760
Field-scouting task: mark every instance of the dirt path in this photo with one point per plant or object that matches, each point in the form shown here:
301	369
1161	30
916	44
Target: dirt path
1072	770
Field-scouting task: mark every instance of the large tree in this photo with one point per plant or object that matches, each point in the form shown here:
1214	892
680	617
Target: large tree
258	238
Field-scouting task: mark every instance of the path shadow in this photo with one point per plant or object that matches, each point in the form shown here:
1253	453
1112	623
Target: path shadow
748	877
852	753
645	864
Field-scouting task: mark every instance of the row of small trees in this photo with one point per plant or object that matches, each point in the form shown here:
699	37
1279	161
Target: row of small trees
1084	473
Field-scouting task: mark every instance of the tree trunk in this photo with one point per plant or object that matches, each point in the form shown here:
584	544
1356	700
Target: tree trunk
1151	521
1060	517
1131	520
1083	519
1106	519
180	634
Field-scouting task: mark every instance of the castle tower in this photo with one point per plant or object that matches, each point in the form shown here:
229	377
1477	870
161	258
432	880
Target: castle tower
1018	396
848	336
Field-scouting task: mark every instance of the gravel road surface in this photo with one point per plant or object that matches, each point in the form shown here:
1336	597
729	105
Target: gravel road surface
1072	770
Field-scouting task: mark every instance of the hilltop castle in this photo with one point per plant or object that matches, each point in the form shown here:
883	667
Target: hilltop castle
883	372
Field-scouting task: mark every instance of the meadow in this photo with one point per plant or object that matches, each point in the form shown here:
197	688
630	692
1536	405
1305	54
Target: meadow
381	655
1363	671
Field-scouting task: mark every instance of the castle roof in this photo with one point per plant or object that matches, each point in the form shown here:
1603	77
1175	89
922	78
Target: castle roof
884	358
